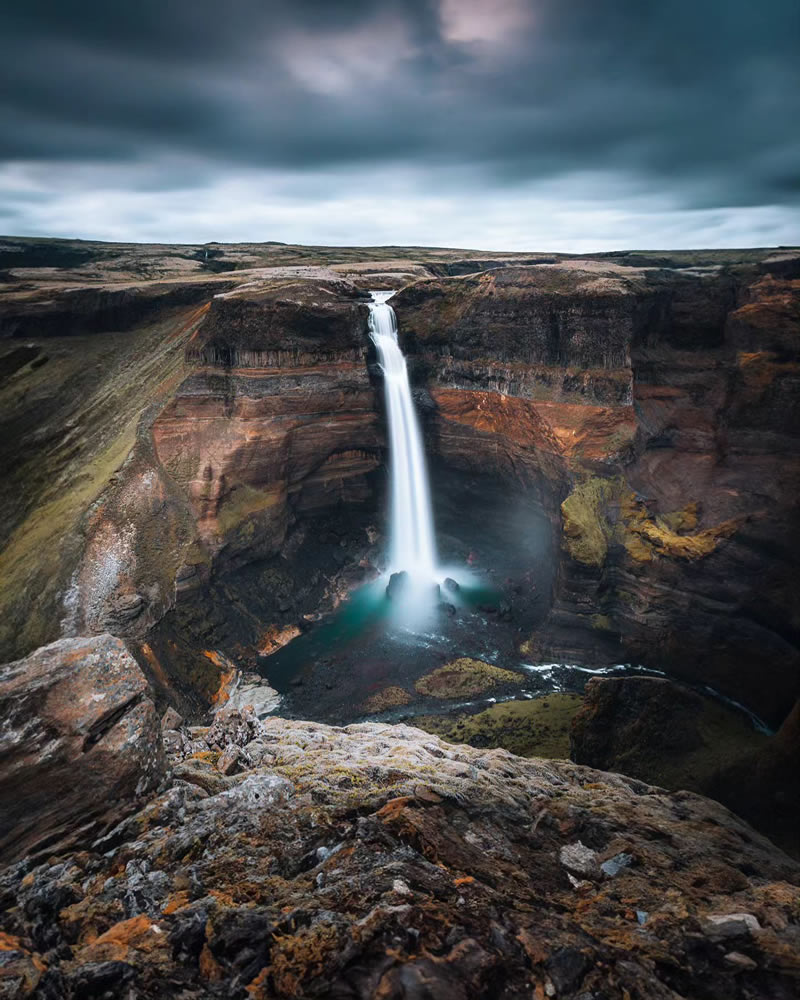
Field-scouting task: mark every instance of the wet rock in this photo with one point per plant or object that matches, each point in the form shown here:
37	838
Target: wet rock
79	746
450	585
446	608
398	585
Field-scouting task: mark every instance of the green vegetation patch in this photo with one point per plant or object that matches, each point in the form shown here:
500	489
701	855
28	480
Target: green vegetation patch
243	501
463	678
538	727
389	697
669	534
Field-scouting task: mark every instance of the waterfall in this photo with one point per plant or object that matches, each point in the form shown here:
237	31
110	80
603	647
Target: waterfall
411	524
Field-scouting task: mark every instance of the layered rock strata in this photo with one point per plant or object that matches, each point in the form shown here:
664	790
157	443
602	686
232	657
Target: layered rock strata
651	412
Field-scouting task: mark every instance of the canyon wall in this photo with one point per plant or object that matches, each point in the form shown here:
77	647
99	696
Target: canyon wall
654	412
649	406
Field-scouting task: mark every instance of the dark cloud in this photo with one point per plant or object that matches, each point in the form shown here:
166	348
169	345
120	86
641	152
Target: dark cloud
696	100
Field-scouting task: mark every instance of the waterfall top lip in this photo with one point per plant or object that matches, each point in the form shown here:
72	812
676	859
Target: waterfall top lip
380	296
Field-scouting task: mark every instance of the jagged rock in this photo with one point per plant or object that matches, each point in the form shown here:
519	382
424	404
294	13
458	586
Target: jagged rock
171	720
579	858
80	744
249	692
615	865
228	762
378	861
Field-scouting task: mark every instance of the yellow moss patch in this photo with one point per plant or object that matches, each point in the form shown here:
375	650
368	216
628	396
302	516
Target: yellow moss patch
602	623
586	528
389	697
464	677
538	727
644	537
681	521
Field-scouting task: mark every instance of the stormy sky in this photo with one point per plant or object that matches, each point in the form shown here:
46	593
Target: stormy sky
497	124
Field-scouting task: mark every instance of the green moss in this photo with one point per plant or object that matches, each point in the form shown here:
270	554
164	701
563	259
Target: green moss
538	727
463	678
602	623
586	527
243	501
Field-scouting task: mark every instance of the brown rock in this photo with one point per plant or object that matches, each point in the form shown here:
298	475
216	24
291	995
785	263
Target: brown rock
333	875
171	720
79	746
228	762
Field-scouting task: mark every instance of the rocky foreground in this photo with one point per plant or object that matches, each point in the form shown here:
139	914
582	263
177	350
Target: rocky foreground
292	859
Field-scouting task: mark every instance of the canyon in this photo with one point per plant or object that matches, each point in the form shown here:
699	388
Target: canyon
195	447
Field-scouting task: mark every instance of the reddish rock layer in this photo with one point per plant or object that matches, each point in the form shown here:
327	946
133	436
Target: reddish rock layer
677	393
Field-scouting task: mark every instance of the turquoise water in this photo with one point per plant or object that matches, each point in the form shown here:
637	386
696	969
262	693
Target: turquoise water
368	623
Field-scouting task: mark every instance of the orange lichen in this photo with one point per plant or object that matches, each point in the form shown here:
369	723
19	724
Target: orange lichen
210	968
176	902
227	675
154	664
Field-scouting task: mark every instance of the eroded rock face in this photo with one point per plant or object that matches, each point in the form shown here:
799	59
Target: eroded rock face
652	413
279	416
79	746
377	861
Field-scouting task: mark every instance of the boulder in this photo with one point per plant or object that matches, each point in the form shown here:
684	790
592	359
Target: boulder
80	744
398	585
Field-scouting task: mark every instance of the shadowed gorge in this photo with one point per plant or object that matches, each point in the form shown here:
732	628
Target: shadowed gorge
201	477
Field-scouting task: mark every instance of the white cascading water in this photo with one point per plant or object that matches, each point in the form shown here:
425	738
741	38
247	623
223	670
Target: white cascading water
411	525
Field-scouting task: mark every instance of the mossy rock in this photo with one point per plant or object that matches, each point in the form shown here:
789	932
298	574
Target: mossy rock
586	527
389	697
537	727
672	535
463	678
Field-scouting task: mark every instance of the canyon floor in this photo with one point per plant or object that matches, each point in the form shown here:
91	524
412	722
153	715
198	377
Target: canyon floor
228	765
